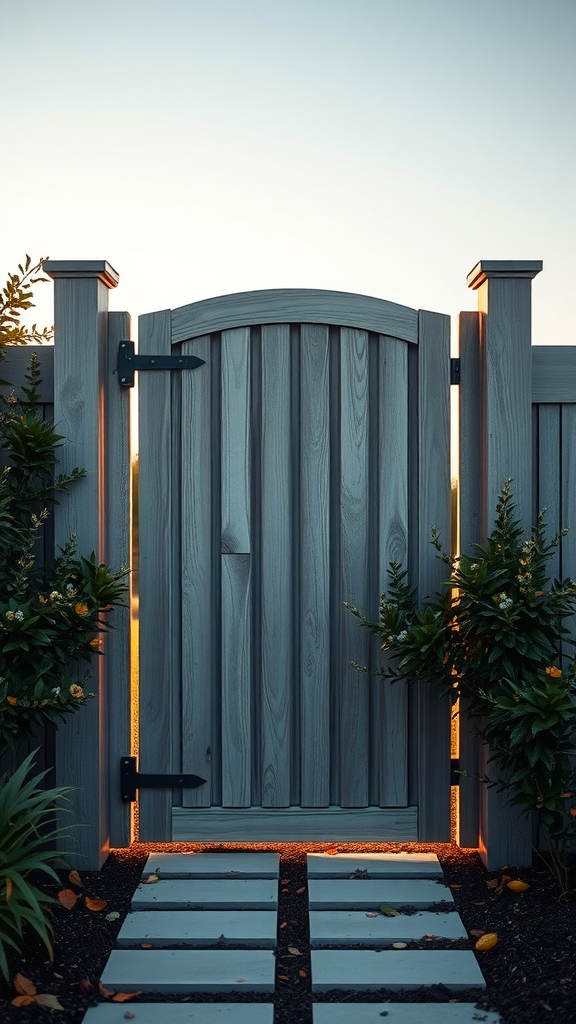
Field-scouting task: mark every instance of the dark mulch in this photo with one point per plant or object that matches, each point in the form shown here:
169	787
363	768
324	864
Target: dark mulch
530	974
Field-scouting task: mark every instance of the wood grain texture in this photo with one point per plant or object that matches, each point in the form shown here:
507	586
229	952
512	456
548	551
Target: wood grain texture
309	824
81	319
393	458
236	681
116	646
434	510
158	521
295	305
315	567
236	441
199	684
548	442
277	658
354	562
553	373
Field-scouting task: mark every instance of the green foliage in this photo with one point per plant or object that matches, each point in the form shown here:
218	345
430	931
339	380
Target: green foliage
493	637
15	299
27	825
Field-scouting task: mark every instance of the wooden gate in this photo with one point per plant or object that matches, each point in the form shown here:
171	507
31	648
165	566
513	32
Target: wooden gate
277	481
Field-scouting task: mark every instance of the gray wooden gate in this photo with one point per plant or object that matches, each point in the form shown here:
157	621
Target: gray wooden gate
277	481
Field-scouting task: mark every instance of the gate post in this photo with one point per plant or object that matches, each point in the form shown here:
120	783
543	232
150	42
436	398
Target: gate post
495	441
80	378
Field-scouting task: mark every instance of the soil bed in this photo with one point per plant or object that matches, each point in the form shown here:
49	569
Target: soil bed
530	973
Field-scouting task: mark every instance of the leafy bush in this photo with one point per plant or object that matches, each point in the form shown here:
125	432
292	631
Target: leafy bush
493	637
27	817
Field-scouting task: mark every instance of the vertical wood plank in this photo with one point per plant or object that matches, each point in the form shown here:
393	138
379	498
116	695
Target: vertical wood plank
236	680
568	507
236	441
116	644
198	613
277	562
393	546
434	510
354	555
549	475
157	524
315	567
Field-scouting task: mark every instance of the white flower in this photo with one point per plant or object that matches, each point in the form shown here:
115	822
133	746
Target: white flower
19	615
54	595
474	567
402	636
506	604
56	691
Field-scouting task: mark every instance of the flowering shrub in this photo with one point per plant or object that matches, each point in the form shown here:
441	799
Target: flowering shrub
493	637
51	616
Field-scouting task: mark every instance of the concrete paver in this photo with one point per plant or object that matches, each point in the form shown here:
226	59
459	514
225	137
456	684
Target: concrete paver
179	971
182	1013
378	865
362	969
401	1013
227	864
208	894
349	927
199	928
368	894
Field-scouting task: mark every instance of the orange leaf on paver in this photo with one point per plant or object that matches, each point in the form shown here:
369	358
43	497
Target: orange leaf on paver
146	945
23	1000
151	879
105	992
283	977
67	898
123	997
241	981
87	986
95	904
24	986
332	851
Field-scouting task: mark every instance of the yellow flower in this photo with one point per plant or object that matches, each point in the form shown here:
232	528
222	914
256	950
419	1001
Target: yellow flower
553	671
43	600
76	691
12	700
81	609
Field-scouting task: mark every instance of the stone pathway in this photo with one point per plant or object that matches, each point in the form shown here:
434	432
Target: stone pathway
231	899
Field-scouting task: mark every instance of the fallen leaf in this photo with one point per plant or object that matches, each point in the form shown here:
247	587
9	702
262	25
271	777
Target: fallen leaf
478	903
56	975
486	942
24	986
106	992
151	879
87	986
67	898
332	851
400	945
294	951
147	945
387	910
285	881
573	812
95	904
283	977
23	1000
303	973
113	915
453	886
129	1015
75	879
429	938
123	997
370	914
566	795
477	933
241	981
517	885
301	889
492	883
45	999
284	923
284	890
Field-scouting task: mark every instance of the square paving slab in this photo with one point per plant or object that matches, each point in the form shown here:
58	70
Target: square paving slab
199	928
209	894
401	1013
182	1013
394	969
368	894
189	970
342	927
213	865
378	865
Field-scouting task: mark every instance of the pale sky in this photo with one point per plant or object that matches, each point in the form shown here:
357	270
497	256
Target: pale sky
375	146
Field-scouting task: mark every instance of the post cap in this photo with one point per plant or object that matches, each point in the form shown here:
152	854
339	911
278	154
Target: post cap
486	269
82	268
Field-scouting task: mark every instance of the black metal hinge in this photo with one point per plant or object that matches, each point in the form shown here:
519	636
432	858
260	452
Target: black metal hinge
454	371
455	771
131	780
128	362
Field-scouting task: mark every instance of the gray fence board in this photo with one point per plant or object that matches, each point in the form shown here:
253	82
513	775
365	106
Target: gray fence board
237	731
